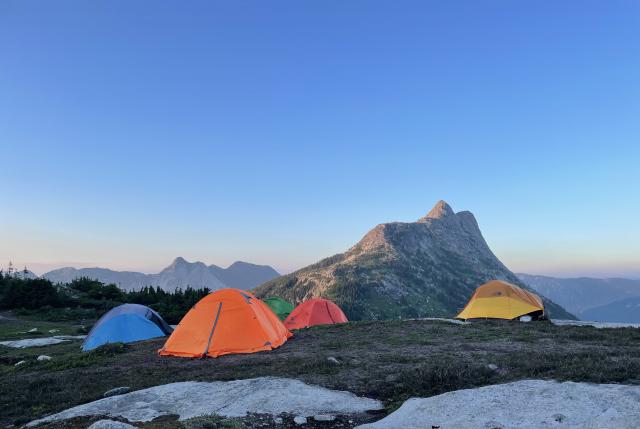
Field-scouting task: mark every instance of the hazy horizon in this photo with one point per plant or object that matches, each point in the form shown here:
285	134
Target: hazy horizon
42	268
280	134
592	270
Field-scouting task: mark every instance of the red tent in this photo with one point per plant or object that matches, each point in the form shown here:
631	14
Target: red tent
316	311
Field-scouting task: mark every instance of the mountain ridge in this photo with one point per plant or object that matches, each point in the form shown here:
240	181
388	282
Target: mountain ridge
179	274
581	294
425	268
626	310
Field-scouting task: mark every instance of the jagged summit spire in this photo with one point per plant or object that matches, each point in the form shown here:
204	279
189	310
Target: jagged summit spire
179	260
440	210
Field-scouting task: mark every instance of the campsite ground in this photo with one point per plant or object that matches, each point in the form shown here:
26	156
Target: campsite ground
390	361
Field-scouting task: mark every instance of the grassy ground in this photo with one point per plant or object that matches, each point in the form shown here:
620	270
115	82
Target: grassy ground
12	328
390	361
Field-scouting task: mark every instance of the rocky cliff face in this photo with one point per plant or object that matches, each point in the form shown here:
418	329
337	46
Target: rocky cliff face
420	269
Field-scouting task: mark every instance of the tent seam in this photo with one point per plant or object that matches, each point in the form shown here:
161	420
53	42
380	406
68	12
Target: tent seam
215	323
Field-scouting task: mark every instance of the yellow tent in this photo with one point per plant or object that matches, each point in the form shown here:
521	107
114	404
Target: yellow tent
501	300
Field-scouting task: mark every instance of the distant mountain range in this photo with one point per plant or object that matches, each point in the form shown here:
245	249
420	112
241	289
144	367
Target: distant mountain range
623	311
180	274
602	300
426	268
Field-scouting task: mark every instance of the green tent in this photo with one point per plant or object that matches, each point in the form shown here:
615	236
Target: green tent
279	306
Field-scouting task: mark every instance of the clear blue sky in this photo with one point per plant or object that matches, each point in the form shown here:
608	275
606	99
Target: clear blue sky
281	132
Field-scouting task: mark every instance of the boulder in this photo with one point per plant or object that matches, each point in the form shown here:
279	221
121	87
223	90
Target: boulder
324	417
116	391
237	398
522	404
110	424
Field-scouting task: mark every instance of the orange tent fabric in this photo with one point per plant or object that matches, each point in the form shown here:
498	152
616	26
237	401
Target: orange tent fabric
316	311
225	322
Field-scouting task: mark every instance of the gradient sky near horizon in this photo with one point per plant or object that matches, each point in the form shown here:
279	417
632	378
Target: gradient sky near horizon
280	132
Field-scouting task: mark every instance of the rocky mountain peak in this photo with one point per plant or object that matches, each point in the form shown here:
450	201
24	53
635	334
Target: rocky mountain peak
238	264
179	261
427	268
439	211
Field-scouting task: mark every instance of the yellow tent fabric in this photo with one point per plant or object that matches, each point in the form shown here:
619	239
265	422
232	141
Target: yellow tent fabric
498	299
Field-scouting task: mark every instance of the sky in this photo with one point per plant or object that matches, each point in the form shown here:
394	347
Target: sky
281	132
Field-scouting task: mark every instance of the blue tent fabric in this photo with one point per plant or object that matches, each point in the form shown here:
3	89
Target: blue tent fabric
125	324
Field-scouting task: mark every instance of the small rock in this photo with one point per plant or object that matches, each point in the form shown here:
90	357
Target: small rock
33	330
324	417
20	363
492	367
333	360
559	417
278	420
53	331
525	318
110	424
391	378
43	358
300	420
116	391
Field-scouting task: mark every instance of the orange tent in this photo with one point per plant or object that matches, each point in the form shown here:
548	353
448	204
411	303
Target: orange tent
224	322
316	311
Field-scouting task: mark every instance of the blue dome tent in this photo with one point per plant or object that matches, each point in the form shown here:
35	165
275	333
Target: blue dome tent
125	324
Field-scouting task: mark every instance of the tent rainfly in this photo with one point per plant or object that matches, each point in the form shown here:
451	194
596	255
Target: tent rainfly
125	324
226	321
316	311
279	306
498	299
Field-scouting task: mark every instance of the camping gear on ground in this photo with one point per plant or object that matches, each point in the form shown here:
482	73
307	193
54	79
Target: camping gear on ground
125	324
498	299
279	306
224	322
316	311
